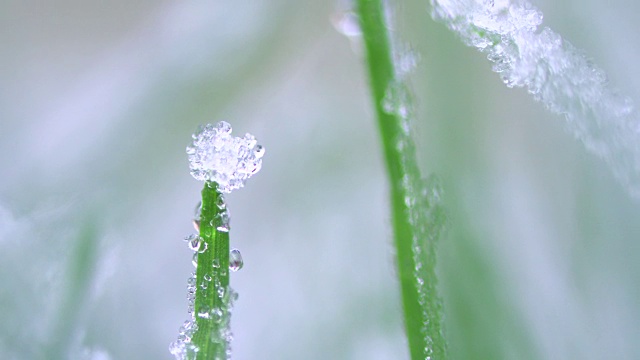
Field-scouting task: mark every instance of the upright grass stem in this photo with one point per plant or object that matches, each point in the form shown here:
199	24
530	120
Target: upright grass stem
212	280
224	163
416	220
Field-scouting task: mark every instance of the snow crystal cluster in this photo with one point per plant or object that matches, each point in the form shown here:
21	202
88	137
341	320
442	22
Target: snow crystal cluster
215	155
555	73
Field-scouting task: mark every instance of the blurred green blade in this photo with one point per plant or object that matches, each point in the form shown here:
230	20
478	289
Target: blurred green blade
416	212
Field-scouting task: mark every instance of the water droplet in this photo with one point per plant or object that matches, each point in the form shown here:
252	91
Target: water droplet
192	349
233	296
216	263
405	61
194	260
347	23
396	100
197	212
223	221
204	285
196	216
198	244
204	312
190	238
226	334
191	291
177	349
207	277
187	328
212	185
220	203
235	260
217	338
216	315
220	290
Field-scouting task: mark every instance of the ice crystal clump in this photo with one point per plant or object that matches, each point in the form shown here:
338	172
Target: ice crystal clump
555	73
215	155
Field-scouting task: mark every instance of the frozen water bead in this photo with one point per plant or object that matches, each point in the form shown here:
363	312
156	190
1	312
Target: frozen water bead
215	155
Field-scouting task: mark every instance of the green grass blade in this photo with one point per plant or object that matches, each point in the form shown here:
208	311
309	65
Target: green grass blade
79	275
212	280
416	211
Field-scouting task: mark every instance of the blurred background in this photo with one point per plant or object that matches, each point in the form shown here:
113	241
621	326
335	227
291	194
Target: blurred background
98	101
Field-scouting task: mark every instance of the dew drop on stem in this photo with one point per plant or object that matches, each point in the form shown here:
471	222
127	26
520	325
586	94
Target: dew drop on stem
235	260
197	211
204	285
223	220
216	315
190	238
198	244
204	312
194	260
347	23
220	202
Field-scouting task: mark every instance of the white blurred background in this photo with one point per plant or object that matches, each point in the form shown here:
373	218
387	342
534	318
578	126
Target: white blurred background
98	101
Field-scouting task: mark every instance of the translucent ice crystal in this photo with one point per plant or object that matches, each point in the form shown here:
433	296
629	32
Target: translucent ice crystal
555	73
215	155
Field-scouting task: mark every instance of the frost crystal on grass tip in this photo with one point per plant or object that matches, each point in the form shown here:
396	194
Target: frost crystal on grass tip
215	155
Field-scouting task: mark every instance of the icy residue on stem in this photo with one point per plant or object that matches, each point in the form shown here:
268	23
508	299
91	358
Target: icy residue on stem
217	156
416	207
555	73
421	205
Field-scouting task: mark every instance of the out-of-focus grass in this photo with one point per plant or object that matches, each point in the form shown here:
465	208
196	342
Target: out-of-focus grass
416	212
541	261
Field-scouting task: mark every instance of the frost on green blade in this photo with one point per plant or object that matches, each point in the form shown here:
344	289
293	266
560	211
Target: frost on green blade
224	163
215	155
416	207
555	73
426	215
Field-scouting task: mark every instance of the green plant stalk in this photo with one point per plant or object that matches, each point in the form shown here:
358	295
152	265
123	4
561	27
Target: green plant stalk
212	283
80	272
422	310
